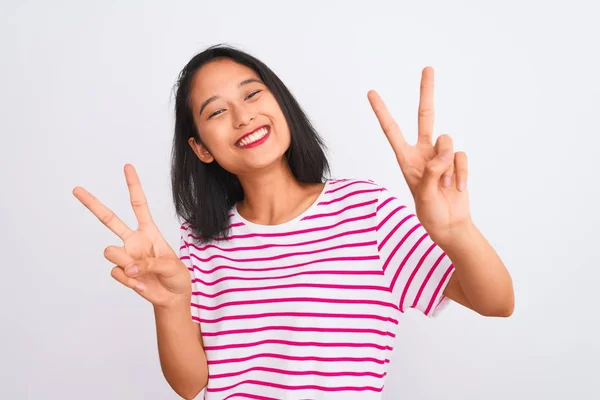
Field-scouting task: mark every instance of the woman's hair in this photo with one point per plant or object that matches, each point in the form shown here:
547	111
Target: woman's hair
205	193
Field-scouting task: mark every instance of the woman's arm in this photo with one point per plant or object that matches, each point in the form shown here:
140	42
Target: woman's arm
437	179
480	281
181	351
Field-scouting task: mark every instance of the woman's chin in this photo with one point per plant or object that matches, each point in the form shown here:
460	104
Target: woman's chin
264	162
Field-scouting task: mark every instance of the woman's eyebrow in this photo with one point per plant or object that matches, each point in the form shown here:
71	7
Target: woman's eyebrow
213	98
251	80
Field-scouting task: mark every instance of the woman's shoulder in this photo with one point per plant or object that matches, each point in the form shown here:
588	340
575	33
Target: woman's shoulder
355	189
356	183
186	230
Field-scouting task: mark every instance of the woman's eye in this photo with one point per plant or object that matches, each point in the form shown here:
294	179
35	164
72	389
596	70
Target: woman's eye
215	113
251	95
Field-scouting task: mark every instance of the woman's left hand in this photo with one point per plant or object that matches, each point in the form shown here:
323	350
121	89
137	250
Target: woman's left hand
436	175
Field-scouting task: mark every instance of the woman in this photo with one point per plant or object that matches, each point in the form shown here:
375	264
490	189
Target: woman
297	280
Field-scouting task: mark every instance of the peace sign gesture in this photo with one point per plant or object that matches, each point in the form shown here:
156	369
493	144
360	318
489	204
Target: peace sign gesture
436	176
145	263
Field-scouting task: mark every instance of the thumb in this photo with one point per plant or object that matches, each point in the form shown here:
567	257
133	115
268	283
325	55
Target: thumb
436	167
164	267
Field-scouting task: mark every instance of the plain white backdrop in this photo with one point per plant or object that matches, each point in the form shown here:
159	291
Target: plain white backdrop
87	87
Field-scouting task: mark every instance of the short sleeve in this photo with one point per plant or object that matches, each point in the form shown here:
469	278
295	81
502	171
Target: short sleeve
185	257
416	269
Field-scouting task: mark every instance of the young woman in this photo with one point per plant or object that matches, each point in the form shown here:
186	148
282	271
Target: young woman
298	281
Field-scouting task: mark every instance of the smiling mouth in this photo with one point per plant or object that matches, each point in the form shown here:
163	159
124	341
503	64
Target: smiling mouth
255	138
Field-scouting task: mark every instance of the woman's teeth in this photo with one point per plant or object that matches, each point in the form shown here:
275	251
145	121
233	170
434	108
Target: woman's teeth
259	134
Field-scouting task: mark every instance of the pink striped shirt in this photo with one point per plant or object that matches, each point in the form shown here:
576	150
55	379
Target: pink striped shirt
309	308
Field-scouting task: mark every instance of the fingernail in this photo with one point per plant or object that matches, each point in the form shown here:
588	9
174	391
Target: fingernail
139	286
461	186
131	270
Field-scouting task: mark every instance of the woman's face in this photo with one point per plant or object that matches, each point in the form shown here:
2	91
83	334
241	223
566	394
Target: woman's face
240	123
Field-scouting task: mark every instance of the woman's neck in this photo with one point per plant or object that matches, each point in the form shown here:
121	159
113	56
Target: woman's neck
275	196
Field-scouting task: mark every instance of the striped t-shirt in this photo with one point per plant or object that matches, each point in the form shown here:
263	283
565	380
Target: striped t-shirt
308	309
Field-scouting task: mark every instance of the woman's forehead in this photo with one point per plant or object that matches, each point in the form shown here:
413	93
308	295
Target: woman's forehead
219	78
220	74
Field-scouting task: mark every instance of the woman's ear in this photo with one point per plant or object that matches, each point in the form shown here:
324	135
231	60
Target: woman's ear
201	151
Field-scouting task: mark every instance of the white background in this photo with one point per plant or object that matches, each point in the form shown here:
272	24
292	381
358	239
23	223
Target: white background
86	87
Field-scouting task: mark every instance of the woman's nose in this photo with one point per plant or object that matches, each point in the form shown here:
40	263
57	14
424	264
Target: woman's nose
243	116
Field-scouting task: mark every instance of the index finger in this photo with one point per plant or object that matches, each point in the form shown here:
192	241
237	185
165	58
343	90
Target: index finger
388	123
103	213
137	196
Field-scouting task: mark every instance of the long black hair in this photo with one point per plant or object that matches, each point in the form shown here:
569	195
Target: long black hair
205	193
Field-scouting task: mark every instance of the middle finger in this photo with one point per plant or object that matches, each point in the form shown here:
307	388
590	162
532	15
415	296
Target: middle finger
426	107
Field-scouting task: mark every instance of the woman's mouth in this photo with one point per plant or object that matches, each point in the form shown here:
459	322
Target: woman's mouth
254	139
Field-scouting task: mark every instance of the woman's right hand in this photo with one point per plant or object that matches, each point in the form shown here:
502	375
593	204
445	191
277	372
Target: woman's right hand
145	263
